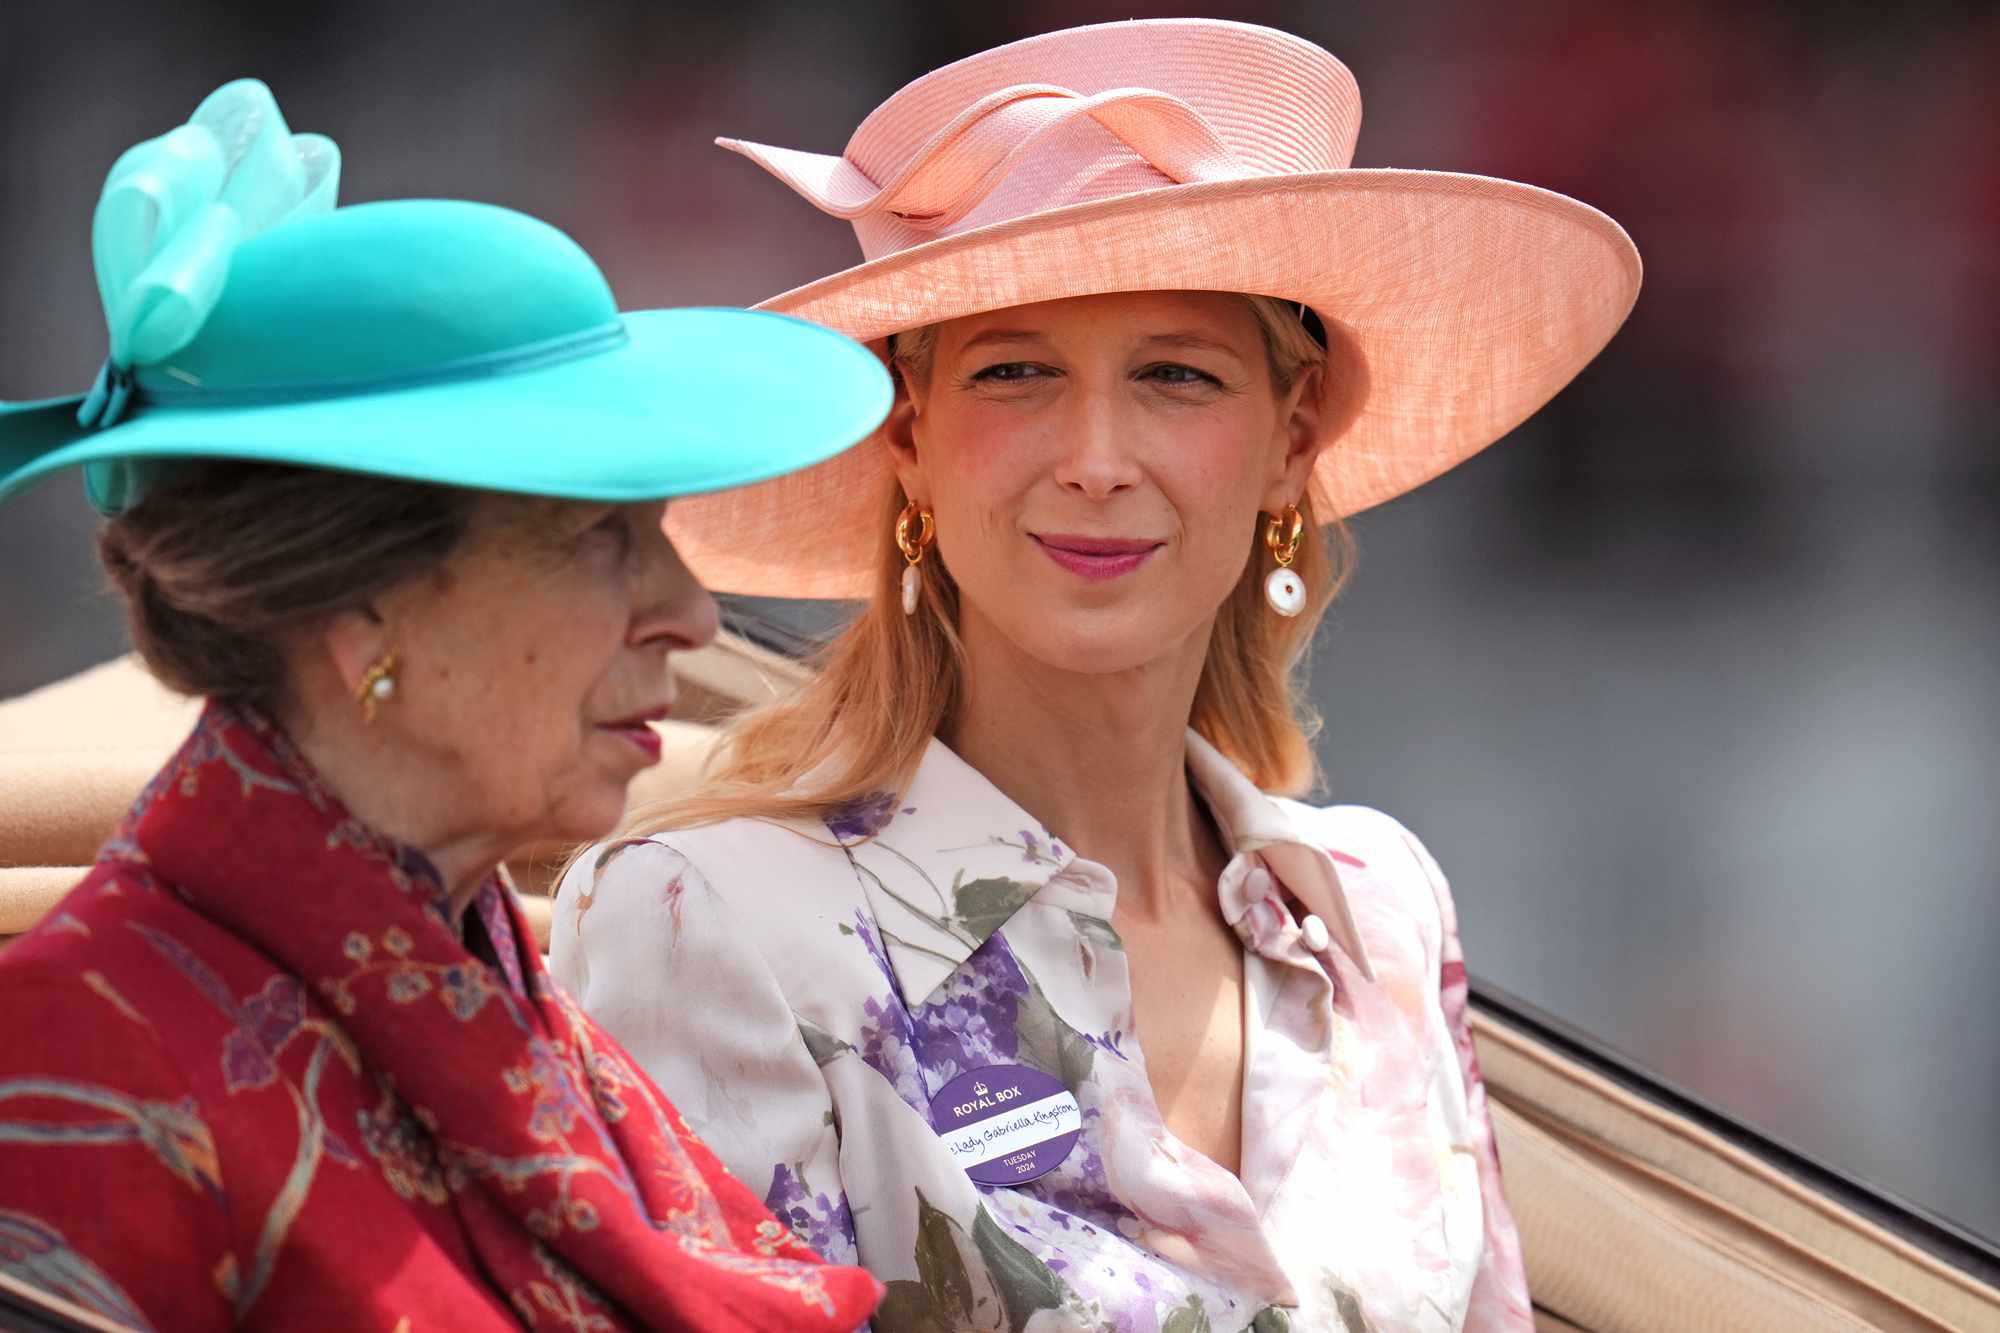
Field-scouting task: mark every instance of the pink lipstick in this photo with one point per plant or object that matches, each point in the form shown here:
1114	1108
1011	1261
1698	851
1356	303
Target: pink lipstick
1096	558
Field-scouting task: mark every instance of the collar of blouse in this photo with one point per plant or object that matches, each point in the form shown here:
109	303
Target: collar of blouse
954	860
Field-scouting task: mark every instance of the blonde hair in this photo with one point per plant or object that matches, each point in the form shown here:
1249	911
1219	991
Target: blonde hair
888	683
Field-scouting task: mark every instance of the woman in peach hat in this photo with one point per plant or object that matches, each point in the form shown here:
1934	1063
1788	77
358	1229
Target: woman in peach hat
1046	1004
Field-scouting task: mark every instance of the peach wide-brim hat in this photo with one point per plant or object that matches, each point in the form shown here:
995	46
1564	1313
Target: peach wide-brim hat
1177	155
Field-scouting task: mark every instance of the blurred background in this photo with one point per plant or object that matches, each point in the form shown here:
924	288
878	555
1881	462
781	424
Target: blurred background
1692	684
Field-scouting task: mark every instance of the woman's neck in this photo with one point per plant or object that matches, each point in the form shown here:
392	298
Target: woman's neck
398	797
1099	759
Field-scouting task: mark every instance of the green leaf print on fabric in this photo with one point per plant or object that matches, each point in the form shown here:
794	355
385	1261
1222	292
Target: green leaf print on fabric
942	1268
905	1308
1047	1042
613	850
1026	1283
1351	1314
822	1045
982	906
1097	930
1189	1318
985	1281
1271	1319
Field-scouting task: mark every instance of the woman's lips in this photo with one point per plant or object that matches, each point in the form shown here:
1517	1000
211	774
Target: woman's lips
637	731
1096	558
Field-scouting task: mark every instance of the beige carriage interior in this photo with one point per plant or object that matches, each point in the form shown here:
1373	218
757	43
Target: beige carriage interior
1636	1213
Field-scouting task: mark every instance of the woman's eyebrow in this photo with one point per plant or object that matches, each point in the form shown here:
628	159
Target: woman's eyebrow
1182	338
1003	336
1189	340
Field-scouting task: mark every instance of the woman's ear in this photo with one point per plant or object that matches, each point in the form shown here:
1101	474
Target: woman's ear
1300	443
352	642
901	434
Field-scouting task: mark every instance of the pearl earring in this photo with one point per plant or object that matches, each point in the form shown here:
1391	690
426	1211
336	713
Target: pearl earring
377	687
913	545
1283	589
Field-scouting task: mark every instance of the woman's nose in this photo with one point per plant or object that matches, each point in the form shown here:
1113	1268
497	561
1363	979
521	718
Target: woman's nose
1096	459
672	608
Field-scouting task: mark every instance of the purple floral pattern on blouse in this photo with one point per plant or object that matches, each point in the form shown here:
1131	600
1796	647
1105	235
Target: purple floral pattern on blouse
864	818
943	931
822	1221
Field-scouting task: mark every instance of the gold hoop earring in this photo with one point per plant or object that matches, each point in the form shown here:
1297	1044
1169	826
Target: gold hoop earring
377	687
1283	589
913	544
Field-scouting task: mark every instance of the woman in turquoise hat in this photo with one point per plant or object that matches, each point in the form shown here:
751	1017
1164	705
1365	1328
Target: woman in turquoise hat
385	484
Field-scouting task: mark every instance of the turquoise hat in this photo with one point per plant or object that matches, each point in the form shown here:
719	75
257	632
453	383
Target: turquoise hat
432	340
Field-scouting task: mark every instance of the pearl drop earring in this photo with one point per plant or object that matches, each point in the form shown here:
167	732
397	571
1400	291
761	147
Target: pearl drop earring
1283	589
913	545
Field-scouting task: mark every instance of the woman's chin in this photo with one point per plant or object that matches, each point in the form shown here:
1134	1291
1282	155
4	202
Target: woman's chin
586	818
1087	649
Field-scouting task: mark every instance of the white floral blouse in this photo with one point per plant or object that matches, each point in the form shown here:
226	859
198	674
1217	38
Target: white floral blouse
804	993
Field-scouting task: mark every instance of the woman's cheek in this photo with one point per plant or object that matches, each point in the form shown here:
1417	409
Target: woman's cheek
583	623
1211	463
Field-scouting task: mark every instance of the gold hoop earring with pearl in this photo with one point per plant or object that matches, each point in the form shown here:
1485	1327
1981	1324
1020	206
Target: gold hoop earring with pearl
915	530
1284	589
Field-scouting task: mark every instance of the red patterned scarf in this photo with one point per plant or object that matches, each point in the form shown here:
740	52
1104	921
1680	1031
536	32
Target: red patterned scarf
578	1184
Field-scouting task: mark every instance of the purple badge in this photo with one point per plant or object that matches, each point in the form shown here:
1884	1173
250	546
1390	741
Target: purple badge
1006	1124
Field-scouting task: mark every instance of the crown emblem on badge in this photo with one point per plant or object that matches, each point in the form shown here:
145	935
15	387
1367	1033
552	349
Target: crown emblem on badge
978	1089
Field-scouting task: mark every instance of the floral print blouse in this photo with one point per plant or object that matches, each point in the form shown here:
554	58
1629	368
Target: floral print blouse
804	994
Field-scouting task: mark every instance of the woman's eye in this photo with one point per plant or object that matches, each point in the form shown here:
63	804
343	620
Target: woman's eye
617	527
1009	372
1169	372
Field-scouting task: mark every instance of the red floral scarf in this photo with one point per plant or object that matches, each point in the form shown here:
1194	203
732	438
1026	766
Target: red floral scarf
576	1181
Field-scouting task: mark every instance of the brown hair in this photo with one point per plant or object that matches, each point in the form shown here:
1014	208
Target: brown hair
222	561
889	682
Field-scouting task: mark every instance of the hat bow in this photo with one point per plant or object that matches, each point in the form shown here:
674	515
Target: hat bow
963	162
